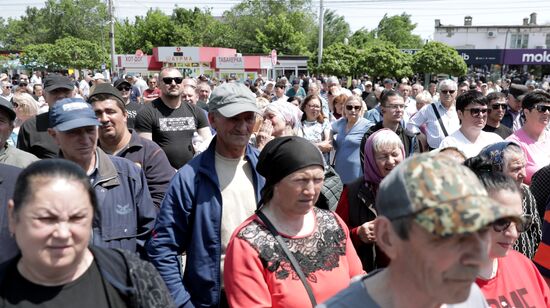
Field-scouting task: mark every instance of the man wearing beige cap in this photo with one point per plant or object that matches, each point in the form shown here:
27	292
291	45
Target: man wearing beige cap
433	225
207	200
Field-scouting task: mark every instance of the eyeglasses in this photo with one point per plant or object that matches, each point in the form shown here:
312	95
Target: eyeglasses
499	106
542	108
395	107
350	107
448	91
168	80
501	225
314	106
23	84
124	88
7	87
476	111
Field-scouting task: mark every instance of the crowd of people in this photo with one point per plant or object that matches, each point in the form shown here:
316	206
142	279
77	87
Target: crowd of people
172	191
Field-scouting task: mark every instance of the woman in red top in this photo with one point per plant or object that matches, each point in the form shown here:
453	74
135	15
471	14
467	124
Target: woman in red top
508	278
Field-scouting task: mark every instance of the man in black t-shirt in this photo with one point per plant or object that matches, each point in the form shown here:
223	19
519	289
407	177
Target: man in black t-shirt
170	122
496	101
132	107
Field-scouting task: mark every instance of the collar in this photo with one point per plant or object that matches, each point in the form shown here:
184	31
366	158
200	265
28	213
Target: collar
107	174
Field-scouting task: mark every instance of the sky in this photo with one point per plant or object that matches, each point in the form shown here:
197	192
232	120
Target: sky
358	13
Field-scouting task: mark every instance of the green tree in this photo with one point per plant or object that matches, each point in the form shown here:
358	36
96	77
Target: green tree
361	38
383	59
338	59
398	30
205	30
279	34
335	30
37	56
85	19
439	58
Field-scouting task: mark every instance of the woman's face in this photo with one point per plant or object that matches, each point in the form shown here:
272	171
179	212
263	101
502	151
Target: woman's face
387	158
352	110
313	109
515	167
502	242
277	121
53	228
297	193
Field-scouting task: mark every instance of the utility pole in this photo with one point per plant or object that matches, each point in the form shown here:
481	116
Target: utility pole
112	34
321	18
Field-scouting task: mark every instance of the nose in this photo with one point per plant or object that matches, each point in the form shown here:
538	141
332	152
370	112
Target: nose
62	230
476	249
521	174
102	117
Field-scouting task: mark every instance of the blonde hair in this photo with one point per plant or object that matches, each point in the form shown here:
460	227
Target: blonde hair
27	104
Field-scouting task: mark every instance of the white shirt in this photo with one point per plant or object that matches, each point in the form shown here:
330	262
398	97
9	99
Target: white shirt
459	141
434	133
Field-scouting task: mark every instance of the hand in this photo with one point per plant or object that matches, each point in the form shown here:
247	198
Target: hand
264	135
366	232
324	146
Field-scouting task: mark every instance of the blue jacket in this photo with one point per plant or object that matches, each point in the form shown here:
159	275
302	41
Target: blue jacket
126	211
190	221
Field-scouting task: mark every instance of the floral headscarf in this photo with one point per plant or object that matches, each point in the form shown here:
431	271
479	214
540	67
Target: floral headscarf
495	154
288	111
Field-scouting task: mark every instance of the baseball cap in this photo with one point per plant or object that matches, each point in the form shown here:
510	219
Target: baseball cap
106	89
121	81
7	107
54	82
368	83
98	76
231	99
388	80
70	113
517	90
445	197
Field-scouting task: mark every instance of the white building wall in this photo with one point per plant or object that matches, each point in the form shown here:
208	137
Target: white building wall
474	37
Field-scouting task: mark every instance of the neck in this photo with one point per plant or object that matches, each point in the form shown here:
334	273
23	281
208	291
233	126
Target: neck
58	276
488	269
289	224
351	122
391	125
532	133
114	145
447	105
406	296
493	123
229	151
470	133
173	102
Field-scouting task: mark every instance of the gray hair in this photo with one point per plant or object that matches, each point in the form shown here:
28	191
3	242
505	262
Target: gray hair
449	83
386	139
424	96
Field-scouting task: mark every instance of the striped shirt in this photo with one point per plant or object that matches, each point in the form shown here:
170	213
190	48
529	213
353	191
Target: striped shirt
434	133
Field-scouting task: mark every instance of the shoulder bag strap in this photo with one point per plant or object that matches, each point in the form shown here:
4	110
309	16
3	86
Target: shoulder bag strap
439	119
289	255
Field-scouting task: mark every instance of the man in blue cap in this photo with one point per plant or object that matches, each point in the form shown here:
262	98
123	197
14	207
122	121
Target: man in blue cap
126	211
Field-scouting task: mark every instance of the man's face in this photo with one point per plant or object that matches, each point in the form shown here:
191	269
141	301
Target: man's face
415	89
152	83
170	88
393	109
125	90
77	145
112	118
473	116
6	88
53	96
431	88
233	132
279	91
442	269
514	103
497	108
38	91
447	95
405	90
313	89
6	127
463	89
203	92
188	95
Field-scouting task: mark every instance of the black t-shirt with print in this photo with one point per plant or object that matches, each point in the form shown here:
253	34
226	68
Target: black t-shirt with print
172	129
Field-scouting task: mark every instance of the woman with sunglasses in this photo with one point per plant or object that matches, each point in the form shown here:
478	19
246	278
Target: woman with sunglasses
508	278
348	132
533	138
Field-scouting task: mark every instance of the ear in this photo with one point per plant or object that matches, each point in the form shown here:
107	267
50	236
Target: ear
460	114
212	120
386	238
11	217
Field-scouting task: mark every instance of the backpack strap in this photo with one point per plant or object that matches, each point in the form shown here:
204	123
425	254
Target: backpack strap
438	116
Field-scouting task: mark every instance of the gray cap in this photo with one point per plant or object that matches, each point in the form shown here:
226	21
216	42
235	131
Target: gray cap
231	99
7	107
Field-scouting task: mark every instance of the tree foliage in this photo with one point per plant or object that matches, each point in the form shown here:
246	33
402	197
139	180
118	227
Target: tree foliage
338	59
439	58
67	52
383	59
361	38
335	30
398	30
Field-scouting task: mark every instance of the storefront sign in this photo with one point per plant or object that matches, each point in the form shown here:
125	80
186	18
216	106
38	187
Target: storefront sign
178	54
133	61
527	56
481	56
229	62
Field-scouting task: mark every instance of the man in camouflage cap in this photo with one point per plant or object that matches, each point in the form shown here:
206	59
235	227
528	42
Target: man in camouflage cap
432	224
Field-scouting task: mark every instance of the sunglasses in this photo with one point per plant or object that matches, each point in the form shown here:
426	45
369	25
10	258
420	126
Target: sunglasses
7	87
349	107
542	108
168	80
501	225
476	111
15	105
124	88
448	91
499	106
